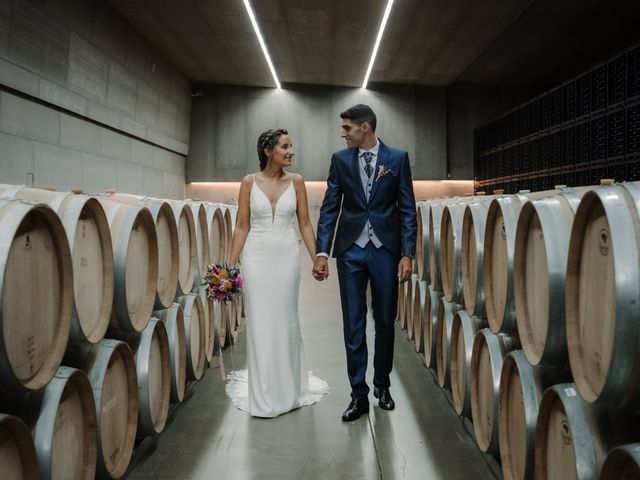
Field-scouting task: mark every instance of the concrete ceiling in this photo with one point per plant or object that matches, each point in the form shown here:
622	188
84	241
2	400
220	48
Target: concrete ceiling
427	42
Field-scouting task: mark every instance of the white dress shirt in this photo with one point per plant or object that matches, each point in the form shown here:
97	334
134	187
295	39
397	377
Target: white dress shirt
368	235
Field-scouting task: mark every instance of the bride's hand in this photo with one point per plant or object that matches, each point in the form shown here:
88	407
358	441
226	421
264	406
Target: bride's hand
320	268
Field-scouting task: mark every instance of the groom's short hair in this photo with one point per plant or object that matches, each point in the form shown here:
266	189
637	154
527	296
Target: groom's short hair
359	114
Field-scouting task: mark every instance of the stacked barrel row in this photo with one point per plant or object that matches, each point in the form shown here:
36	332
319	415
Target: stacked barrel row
104	319
526	307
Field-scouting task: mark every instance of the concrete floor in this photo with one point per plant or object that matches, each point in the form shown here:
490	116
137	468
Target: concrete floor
423	438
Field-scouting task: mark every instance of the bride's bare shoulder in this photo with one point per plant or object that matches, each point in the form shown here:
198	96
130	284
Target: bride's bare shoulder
247	180
246	185
297	178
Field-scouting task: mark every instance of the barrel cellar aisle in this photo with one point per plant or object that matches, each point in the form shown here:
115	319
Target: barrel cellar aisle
422	438
126	128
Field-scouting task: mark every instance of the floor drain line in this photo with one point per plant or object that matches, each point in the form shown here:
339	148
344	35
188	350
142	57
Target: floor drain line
375	447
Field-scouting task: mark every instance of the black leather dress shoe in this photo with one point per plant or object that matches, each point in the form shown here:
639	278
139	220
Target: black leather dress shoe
357	407
384	398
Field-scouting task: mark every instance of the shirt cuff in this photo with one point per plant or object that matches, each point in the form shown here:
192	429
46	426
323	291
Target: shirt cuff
322	254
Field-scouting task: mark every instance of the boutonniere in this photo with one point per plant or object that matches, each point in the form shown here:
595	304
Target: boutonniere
383	171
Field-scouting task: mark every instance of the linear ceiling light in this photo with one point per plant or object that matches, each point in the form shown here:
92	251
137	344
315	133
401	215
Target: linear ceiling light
261	40
377	44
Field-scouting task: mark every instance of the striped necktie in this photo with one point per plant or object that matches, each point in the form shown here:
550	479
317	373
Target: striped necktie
368	156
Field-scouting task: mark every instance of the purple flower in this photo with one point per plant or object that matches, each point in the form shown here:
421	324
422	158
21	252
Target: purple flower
223	283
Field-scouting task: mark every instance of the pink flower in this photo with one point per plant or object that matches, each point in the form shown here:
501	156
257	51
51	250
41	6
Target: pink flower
223	283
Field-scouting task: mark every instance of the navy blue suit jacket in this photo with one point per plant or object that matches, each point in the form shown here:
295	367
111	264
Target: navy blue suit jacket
391	208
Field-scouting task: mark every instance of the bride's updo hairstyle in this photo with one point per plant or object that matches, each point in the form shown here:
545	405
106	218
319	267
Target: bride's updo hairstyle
268	140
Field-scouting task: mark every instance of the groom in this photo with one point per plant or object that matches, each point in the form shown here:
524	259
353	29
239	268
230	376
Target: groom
369	187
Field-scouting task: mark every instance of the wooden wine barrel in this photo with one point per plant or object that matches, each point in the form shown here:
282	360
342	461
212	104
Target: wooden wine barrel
603	294
472	257
206	331
573	437
153	368
229	226
111	370
194	323
435	221
446	311
34	322
222	322
499	248
408	309
402	304
173	319
231	317
202	241
244	312
168	253
18	459
210	322
407	293
622	463
64	433
451	251
429	327
237	312
135	252
217	235
521	389
499	242
463	331
233	212
420	292
540	266
217	342
167	235
87	229
235	316
187	247
487	356
422	241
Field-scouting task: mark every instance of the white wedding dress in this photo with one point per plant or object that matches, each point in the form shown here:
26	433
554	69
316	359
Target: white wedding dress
276	380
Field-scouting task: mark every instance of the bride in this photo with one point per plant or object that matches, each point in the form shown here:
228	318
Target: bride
276	380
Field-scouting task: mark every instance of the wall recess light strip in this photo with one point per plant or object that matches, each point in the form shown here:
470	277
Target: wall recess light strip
377	44
256	28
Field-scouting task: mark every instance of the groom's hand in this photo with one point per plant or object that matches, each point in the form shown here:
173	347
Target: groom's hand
320	268
404	269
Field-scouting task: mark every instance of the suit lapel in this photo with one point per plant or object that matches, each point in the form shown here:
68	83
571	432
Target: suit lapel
355	175
383	158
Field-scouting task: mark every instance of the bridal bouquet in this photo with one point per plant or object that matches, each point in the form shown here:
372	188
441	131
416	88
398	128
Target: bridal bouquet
224	283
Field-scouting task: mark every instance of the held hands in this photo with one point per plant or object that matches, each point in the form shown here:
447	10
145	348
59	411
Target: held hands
404	269
320	268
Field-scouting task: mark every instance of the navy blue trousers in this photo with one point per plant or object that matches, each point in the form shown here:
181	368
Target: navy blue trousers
356	268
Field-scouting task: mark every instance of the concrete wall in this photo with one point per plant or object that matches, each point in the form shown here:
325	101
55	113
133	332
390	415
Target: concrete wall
435	125
226	123
86	102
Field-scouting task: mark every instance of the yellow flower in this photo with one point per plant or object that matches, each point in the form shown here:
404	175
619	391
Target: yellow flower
224	273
